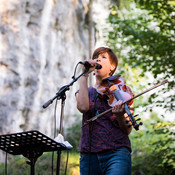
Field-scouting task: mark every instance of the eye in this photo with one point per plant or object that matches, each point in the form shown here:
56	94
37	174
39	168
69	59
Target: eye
95	58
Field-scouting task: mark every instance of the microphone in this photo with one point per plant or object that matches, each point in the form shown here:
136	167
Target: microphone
87	65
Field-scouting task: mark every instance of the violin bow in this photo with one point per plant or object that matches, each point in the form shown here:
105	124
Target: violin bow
97	116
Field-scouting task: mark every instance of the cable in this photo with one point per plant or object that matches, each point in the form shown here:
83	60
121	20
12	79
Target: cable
67	161
52	161
73	77
55	119
6	163
54	132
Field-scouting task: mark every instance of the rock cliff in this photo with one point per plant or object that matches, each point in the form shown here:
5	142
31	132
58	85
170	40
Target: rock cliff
41	43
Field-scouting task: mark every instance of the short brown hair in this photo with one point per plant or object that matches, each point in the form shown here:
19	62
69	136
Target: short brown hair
113	58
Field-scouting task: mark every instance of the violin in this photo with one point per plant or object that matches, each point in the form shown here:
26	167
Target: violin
114	87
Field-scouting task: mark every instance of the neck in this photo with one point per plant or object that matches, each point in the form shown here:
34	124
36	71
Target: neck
99	80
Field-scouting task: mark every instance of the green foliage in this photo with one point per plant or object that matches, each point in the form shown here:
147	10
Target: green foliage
153	148
148	37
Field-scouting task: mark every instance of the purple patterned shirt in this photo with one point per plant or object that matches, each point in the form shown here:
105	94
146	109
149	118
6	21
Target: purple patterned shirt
103	133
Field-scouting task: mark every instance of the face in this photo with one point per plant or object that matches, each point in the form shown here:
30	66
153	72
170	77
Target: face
104	61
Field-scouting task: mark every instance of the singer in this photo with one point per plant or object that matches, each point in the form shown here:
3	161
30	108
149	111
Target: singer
105	146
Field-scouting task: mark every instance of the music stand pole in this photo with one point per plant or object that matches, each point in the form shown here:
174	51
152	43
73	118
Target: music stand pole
32	165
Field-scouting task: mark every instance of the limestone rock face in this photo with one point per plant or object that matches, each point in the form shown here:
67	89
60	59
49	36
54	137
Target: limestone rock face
40	44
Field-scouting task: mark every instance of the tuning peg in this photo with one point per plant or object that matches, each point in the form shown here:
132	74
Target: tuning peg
138	119
136	115
140	123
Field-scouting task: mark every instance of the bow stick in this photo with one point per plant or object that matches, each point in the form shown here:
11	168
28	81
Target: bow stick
97	116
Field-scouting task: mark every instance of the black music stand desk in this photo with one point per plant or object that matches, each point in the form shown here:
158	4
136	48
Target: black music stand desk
30	144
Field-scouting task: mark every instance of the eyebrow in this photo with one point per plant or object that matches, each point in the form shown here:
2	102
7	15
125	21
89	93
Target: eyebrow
104	54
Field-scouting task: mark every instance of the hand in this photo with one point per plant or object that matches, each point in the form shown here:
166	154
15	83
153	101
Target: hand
92	68
118	109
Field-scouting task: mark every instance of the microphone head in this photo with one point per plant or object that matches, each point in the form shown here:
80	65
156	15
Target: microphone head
88	65
98	66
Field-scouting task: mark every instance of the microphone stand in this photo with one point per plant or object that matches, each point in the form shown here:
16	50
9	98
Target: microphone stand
61	95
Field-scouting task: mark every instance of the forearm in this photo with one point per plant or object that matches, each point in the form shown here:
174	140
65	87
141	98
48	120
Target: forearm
82	97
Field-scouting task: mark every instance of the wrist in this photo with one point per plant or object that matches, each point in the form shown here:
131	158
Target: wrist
86	75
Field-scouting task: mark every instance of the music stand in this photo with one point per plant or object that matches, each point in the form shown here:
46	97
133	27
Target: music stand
30	144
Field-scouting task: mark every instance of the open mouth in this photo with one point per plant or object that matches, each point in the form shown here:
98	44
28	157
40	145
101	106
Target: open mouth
99	68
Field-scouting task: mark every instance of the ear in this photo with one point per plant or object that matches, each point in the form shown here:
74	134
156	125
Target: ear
112	67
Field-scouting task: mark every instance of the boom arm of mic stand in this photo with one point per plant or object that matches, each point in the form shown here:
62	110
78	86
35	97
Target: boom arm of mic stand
62	90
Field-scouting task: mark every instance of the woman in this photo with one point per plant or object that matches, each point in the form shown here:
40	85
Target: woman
105	145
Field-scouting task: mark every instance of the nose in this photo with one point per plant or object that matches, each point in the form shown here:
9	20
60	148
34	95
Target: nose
98	59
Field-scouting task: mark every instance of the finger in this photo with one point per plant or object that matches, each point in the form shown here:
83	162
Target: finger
116	106
120	102
92	62
89	65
